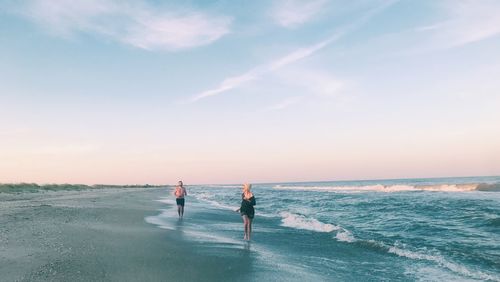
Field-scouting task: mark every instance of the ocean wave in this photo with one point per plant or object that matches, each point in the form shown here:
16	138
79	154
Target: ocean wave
438	259
489	187
441	261
209	198
159	220
345	236
494	222
395	188
302	222
169	201
223	186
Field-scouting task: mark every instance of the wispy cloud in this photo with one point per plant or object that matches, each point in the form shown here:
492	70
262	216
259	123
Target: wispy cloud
68	149
134	23
50	149
302	53
292	13
285	103
237	81
467	22
230	83
315	86
255	73
14	131
317	82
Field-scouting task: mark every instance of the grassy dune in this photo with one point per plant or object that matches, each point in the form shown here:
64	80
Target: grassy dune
33	187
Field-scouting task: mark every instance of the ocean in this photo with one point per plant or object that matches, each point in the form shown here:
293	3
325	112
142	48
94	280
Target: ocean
439	229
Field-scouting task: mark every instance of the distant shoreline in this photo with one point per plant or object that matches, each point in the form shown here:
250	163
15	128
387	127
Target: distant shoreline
33	187
482	183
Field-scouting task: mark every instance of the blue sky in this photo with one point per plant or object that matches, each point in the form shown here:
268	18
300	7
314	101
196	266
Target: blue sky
232	91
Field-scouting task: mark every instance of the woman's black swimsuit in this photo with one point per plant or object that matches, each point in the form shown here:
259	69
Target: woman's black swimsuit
247	206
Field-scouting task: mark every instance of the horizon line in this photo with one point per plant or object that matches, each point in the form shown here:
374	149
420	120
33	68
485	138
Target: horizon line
254	183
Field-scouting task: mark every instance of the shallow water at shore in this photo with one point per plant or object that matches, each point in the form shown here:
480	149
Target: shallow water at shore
356	230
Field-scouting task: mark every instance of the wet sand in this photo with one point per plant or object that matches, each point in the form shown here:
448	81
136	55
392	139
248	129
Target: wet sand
101	235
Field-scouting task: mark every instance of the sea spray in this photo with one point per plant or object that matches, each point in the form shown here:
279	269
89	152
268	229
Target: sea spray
301	222
388	188
345	236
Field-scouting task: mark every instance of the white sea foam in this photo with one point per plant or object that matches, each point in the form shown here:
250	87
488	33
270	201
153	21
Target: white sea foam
450	187
306	223
209	198
345	236
301	222
412	255
169	201
223	186
383	188
462	270
159	221
203	235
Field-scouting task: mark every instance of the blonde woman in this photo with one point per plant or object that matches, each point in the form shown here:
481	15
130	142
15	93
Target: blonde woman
246	210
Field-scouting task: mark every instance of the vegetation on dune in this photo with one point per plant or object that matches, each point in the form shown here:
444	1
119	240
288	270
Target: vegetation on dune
33	187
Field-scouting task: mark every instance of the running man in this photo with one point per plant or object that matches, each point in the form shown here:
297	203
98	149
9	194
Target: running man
180	193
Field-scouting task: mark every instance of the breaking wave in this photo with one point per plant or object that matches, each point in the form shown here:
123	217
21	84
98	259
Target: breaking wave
396	188
302	222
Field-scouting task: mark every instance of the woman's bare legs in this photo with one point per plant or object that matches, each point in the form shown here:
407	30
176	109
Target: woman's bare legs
246	225
249	229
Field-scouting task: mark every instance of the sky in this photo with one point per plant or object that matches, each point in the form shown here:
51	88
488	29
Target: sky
136	92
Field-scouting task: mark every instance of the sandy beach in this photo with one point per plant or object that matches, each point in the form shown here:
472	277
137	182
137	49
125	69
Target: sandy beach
134	234
101	235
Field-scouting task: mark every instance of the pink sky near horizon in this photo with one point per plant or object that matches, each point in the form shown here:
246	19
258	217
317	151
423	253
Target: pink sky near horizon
348	160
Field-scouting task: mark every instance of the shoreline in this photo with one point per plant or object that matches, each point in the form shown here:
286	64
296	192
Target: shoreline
101	236
134	234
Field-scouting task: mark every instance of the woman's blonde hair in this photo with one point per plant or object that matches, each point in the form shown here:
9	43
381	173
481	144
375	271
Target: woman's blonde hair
247	187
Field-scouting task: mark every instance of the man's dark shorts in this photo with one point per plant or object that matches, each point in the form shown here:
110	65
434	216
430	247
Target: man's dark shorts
180	201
